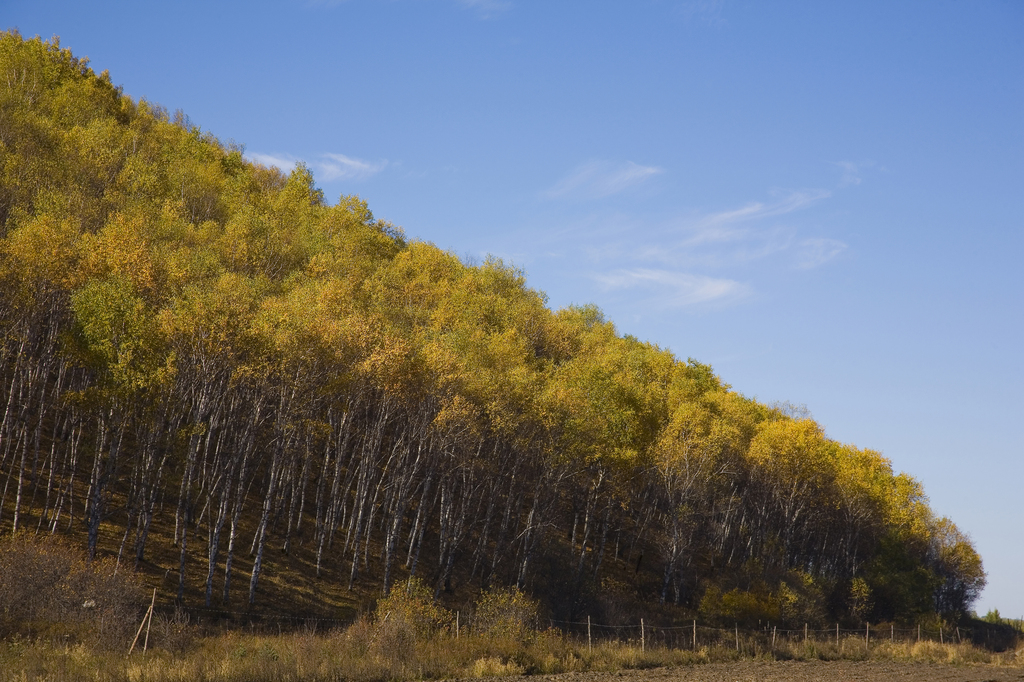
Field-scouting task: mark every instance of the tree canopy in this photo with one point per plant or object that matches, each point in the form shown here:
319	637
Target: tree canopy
194	343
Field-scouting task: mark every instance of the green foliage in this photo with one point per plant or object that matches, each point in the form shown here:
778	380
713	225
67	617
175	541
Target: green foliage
957	567
117	330
902	586
860	598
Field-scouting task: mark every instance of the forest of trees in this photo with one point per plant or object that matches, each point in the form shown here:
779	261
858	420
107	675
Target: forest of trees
194	343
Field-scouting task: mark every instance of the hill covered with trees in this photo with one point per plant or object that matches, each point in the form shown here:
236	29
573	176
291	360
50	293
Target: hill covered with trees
217	377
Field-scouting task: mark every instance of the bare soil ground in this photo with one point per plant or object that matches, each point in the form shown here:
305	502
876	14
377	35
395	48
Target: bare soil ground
804	671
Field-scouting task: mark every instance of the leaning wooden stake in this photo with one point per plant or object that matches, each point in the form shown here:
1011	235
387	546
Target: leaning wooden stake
837	634
694	634
590	647
867	636
149	623
145	618
641	635
141	625
737	637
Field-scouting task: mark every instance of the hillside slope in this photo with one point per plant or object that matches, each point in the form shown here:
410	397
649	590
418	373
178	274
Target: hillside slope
263	401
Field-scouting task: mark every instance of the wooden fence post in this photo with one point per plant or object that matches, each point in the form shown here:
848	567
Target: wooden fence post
590	647
694	634
641	635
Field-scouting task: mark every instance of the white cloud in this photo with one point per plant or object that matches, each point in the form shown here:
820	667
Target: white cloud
719	240
285	162
786	203
341	167
851	173
487	8
675	289
598	179
662	264
328	168
689	260
706	11
814	252
730	237
724	248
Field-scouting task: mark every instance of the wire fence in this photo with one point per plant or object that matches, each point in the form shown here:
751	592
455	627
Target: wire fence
260	621
692	635
695	635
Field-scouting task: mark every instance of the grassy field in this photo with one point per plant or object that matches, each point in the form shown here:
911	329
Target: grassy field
393	650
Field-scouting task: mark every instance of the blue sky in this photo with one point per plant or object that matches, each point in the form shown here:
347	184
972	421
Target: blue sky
823	200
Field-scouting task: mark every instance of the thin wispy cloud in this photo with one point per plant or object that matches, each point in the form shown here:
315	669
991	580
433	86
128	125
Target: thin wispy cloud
701	258
729	237
851	173
704	11
720	239
341	167
674	289
721	248
487	8
328	167
813	253
283	161
598	179
785	203
688	260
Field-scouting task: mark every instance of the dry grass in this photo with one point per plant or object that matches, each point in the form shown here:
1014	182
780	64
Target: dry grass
368	651
51	636
854	648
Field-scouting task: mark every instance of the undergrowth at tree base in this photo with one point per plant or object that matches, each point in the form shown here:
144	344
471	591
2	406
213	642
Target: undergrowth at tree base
364	652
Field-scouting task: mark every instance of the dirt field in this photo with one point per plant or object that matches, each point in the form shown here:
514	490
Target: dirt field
813	671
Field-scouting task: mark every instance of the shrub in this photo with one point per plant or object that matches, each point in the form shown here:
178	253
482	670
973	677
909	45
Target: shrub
505	612
413	606
48	589
740	606
402	621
